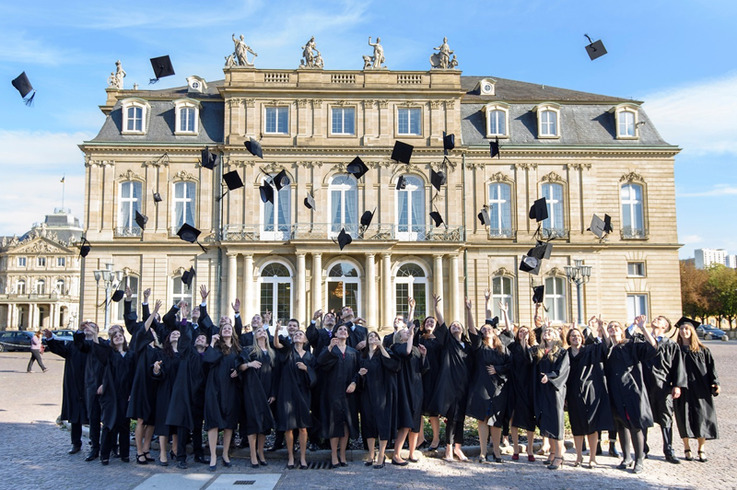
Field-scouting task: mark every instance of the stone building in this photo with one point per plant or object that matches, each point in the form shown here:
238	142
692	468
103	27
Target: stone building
40	274
585	153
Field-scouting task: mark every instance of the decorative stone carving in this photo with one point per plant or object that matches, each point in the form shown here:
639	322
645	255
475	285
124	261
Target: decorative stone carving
632	177
162	161
556	272
129	175
525	166
436	104
98	163
500	177
271	168
316	103
309	164
442	59
377	60
382	104
311	57
183	175
115	80
302	102
249	103
553	177
579	166
502	271
240	54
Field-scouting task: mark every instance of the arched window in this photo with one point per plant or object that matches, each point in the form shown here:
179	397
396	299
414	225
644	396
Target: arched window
277	217
186	116
500	209
343	287
180	291
496	120
129	201
41	287
60	287
128	282
501	290
555	299
633	219
276	292
343	205
411	282
548	125
555	225
21	287
184	204
411	209
135	115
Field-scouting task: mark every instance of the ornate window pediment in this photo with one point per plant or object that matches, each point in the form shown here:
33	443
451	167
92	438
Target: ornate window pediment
632	177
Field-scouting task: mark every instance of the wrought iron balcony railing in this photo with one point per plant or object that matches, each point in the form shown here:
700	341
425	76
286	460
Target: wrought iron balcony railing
329	231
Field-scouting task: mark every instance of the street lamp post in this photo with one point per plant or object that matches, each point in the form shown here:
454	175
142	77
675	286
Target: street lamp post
110	280
579	274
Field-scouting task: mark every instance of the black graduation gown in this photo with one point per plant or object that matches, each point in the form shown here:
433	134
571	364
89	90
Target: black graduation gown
520	400
142	404
293	389
222	393
378	393
452	383
695	413
662	373
73	408
338	408
116	383
356	334
319	338
430	378
488	395
627	391
258	387
589	409
93	372
549	398
409	387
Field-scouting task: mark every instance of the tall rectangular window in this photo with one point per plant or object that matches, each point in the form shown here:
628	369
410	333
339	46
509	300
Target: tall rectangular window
501	290
184	204
555	224
636	269
61	261
41	261
135	119
626	124
549	123
343	120
277	120
21	261
500	209
411	209
128	203
497	123
343	204
555	299
633	222
409	121
187	119
636	306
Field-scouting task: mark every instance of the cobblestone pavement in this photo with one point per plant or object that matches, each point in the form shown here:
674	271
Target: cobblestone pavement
33	450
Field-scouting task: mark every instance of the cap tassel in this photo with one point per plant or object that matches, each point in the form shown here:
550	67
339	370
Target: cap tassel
29	101
151	81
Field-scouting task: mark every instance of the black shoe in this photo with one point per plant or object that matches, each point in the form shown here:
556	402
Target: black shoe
333	466
105	462
227	464
200	459
75	449
255	465
343	463
613	450
397	463
303	466
413	460
92	455
163	463
671	458
148	457
141	459
263	462
182	465
598	449
125	459
213	468
378	466
702	457
290	466
624	464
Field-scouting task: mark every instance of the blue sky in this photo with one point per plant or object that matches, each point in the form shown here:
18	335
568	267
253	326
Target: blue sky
678	57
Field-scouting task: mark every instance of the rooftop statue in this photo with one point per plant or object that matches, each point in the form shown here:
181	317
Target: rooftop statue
240	53
115	80
311	57
442	59
377	60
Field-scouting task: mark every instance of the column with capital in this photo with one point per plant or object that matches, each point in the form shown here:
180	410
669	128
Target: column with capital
370	310
454	292
247	305
316	283
53	316
232	277
386	281
437	279
300	305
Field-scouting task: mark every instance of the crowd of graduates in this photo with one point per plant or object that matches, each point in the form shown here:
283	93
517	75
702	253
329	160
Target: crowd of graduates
181	373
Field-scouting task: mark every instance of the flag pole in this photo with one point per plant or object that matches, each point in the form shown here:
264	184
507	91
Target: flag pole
63	186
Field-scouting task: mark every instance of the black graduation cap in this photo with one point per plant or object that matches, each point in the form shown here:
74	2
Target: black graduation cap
267	193
233	180
310	202
344	238
402	152
595	49
357	168
483	216
449	142
188	276
254	148
494	148
437	179
117	295
209	160
162	68
493	321
539	210
685	319
157	197
436	218
189	233
538	294
141	220
84	250
401	183
533	260
600	227
281	180
24	87
366	218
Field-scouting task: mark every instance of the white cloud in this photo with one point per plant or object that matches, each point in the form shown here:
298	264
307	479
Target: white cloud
700	118
45	148
18	47
692	239
717	191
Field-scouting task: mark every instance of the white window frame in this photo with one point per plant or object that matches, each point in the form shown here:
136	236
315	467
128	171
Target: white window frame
626	128
61	262
357	279
40	286
180	291
410	281
556	298
133	282
507	297
552	227
347	189
275	281
279	230
496	207
20	286
414	231
414	117
60	286
637	304
129	203
497	108
188	105
543	129
41	261
186	200
630	207
280	112
636	268
342	111
22	261
144	107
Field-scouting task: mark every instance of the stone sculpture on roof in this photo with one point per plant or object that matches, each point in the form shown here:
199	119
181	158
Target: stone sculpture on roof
241	51
115	80
311	57
442	59
377	60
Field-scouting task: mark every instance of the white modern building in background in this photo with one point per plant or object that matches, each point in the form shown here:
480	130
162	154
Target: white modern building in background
704	257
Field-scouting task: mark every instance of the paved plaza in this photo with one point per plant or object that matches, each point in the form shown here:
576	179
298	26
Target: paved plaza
33	453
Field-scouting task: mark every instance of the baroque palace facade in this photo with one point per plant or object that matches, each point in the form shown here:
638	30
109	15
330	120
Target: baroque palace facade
585	153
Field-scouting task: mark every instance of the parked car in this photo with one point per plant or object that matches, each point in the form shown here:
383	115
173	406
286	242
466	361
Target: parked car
15	340
708	332
65	335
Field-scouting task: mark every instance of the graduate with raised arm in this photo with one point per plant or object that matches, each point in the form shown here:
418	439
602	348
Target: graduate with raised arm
427	339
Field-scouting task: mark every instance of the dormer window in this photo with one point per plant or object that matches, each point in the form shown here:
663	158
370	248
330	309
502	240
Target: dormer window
625	118
135	116
497	117
548	123
487	86
187	116
196	84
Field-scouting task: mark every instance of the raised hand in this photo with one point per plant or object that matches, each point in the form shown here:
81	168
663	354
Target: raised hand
487	295
146	294
412	303
204	292
128	293
317	315
437	299
236	305
157	307
267	318
469	305
214	340
503	307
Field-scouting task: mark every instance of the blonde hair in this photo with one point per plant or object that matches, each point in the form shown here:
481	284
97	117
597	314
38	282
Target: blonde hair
694	343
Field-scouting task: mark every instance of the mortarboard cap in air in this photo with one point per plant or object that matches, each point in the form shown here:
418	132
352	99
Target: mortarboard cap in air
539	210
437	179
187	277
597	227
357	168
344	238
24	87
401	183
233	180
449	142
267	193
595	49
538	294
141	220
533	260
402	152
494	148
254	148
157	197
189	233
436	218
117	295
310	202
162	68
484	217
366	217
209	159
281	180
84	250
